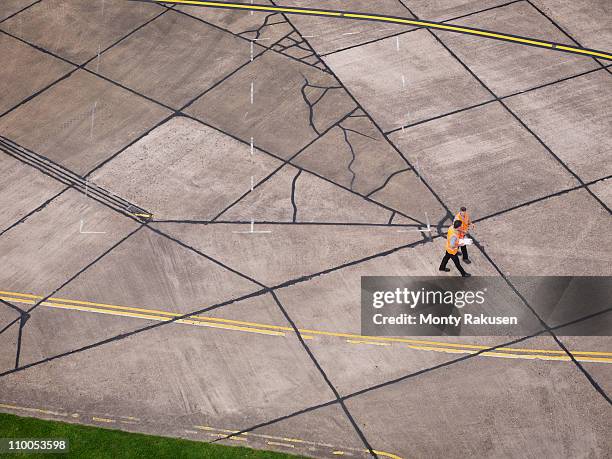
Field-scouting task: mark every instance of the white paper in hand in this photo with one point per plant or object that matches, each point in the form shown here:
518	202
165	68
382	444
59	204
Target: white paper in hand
465	241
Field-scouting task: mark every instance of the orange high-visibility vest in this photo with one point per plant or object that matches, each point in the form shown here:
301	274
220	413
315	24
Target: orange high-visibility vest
449	248
465	222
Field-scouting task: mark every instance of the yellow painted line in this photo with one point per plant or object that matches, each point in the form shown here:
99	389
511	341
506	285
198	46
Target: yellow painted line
338	453
106	420
208	428
352	341
275	330
17	300
276	443
279	440
584	51
385	454
512	356
26	295
294	440
396	20
128	308
162	319
32	410
150	314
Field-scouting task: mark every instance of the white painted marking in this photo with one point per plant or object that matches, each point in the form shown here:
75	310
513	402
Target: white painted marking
98	60
89	232
252	230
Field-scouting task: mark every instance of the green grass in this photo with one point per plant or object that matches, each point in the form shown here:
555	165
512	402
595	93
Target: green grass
94	442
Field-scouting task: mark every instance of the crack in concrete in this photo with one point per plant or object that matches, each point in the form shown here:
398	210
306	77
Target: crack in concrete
295	209
259	29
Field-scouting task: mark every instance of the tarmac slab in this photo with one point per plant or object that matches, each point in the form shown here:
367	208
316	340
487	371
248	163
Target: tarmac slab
179	374
180	56
318	200
330	35
442	10
78	29
29	72
540	247
507	68
151	271
601	372
10	7
290	107
81	121
52	245
585	20
433	82
482	159
407	193
572	118
23	190
286	252
185	170
8	342
445	411
354	154
269	201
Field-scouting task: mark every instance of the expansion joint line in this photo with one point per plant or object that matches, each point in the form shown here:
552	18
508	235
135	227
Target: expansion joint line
337	395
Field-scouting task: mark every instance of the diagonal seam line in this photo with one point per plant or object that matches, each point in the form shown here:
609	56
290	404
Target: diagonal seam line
19	11
324	375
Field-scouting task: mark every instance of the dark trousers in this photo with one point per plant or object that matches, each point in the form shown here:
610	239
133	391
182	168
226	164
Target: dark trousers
455	258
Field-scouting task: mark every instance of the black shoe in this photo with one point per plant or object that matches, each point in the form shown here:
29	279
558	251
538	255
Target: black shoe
444	269
467	261
466	275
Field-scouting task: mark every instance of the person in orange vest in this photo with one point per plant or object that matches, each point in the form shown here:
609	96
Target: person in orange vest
452	247
466	224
